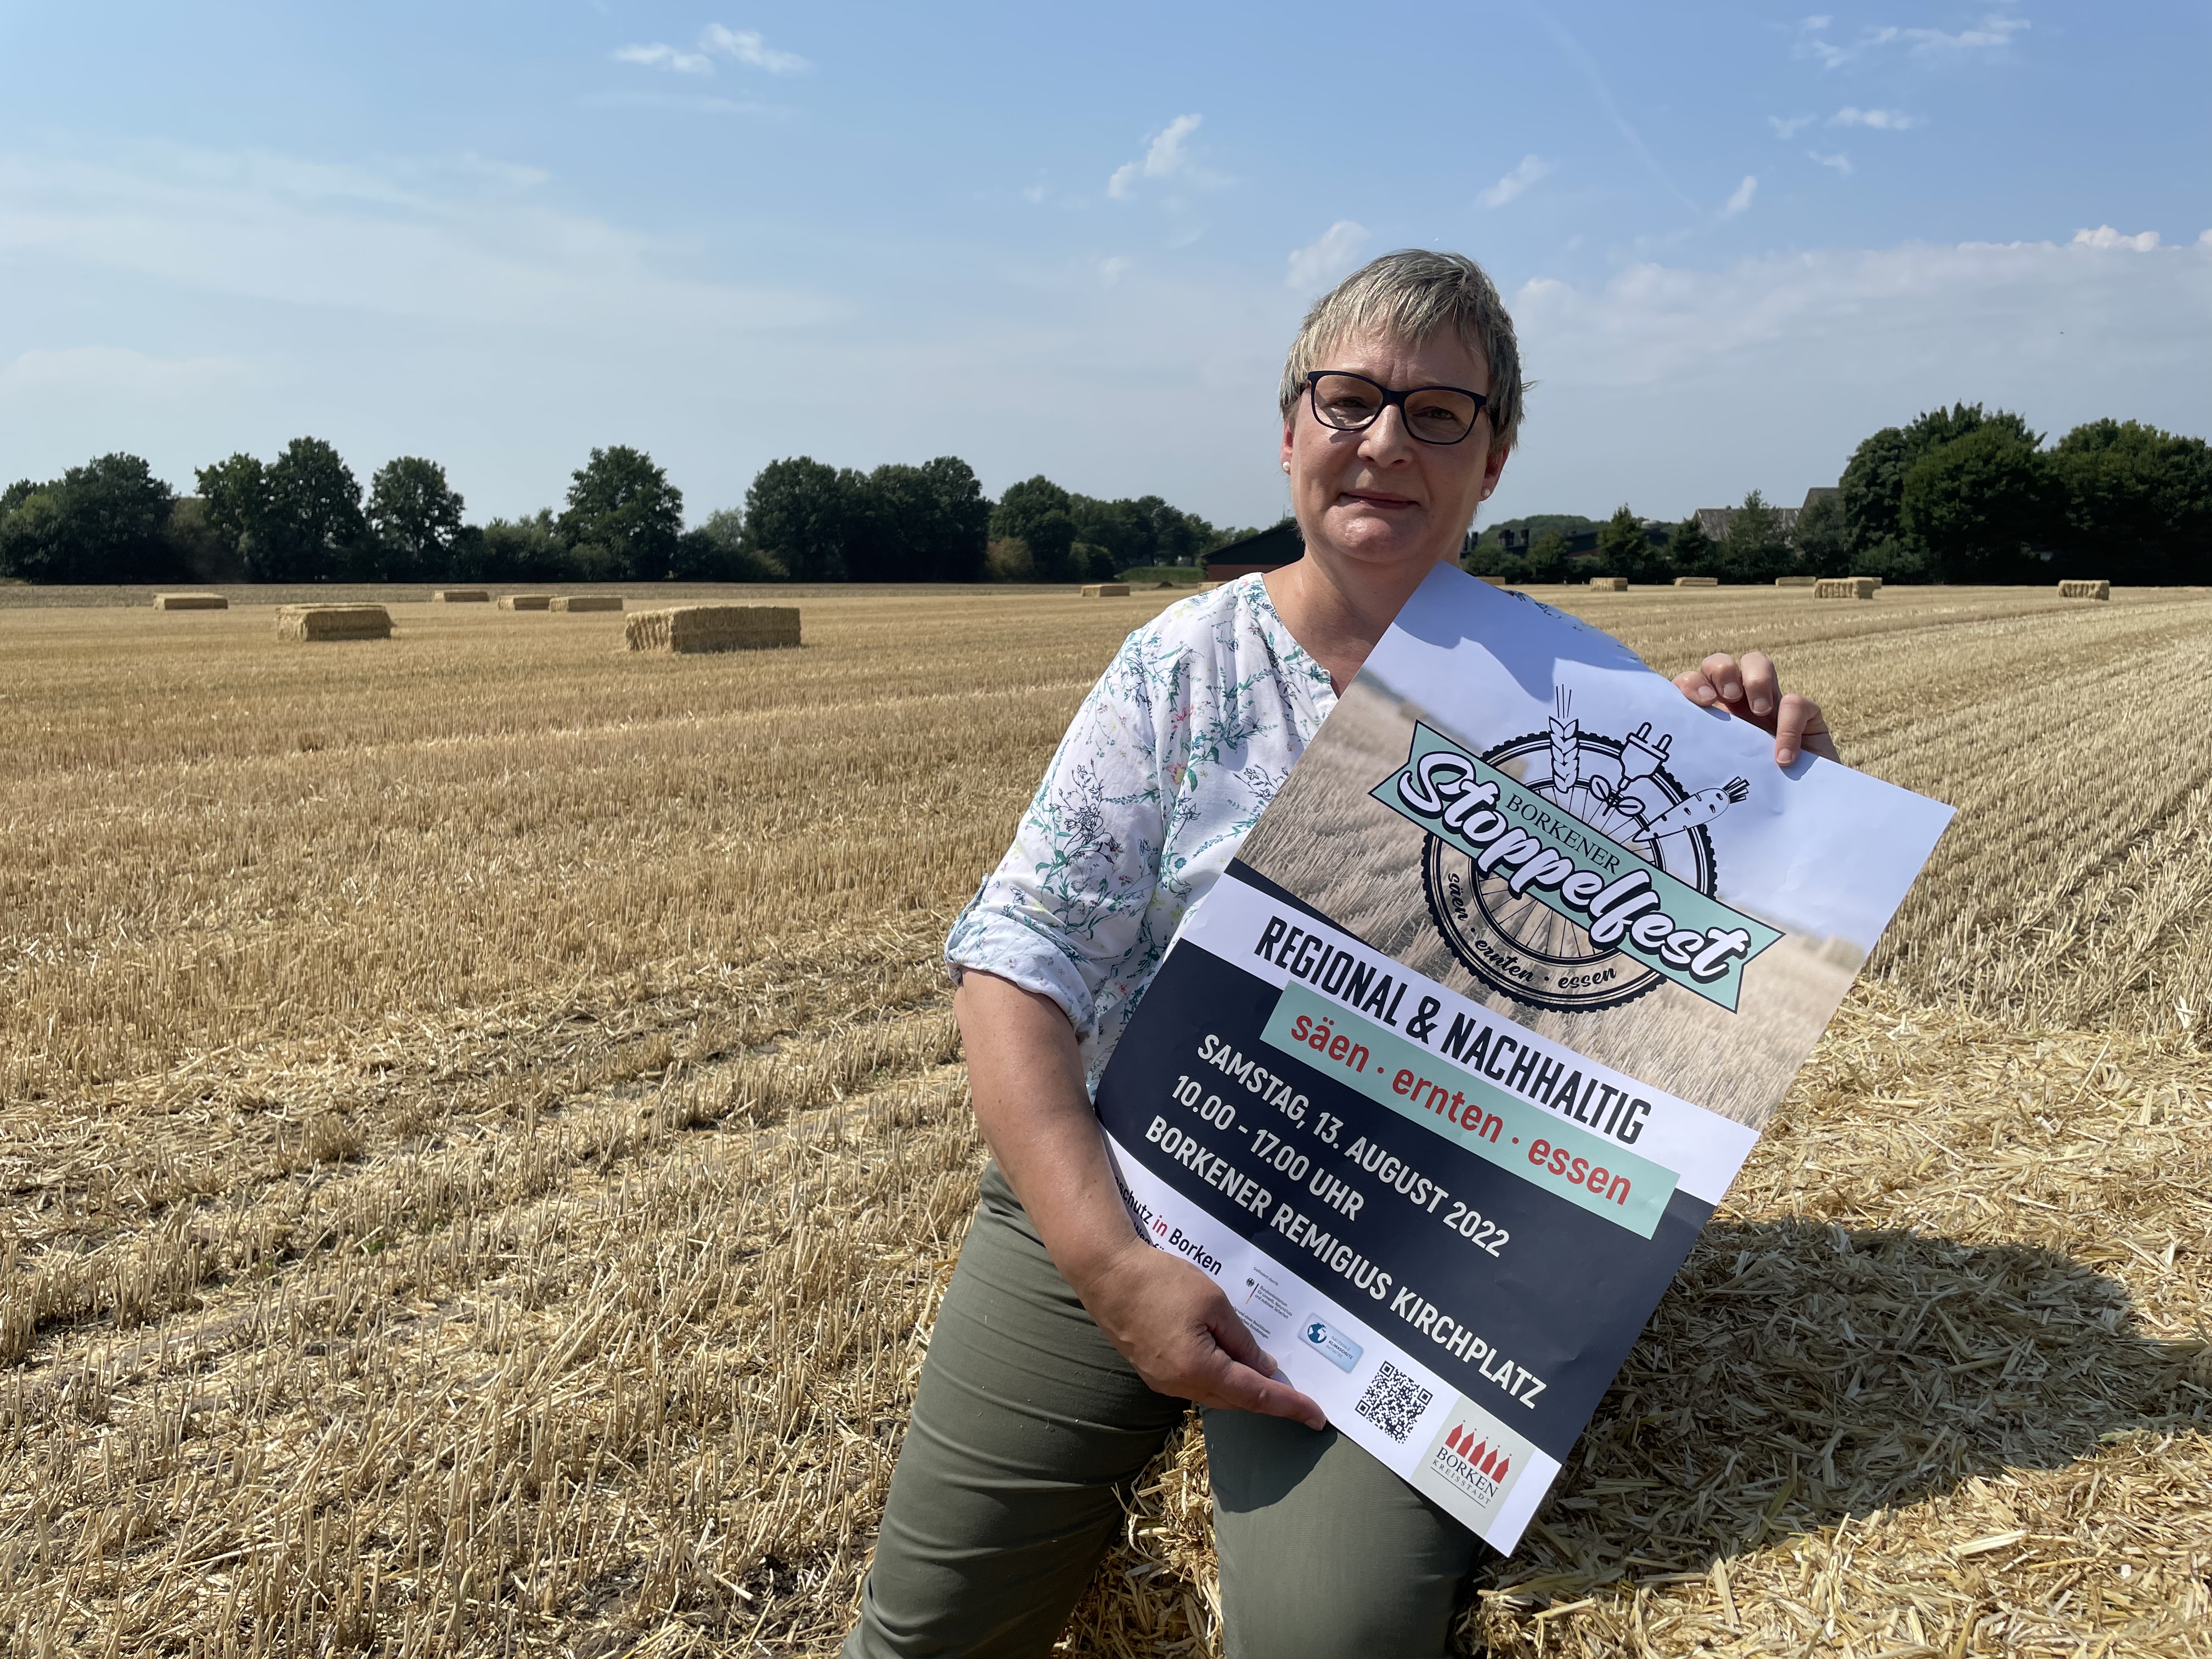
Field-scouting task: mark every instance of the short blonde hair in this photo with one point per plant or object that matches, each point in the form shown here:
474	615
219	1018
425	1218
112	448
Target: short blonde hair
1412	293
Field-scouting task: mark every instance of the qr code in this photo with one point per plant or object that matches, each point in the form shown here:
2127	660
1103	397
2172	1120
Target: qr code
1394	1402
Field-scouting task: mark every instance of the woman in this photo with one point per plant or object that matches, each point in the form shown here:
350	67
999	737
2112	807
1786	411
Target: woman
1066	1346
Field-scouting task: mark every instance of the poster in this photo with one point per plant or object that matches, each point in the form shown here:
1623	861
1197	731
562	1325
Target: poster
1442	1077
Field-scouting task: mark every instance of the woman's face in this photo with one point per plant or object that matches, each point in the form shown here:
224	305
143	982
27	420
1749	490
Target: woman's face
1380	499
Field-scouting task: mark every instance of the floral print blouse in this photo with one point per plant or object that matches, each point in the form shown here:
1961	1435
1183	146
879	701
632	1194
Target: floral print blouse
1171	759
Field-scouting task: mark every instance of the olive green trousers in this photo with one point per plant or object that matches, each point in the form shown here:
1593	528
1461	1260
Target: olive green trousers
1006	1495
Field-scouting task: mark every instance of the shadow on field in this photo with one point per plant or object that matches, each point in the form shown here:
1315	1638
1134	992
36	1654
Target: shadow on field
1797	1374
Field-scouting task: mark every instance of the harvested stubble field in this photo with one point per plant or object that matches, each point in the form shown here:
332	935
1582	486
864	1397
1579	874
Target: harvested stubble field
484	1135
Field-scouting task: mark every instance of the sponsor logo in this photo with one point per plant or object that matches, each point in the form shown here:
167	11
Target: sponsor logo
1472	1463
1573	871
1332	1345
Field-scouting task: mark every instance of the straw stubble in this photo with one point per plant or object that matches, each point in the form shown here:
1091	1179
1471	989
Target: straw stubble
487	1190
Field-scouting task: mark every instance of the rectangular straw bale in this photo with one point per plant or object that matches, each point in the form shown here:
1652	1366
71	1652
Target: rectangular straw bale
461	596
1797	581
1494	581
1609	584
191	602
690	628
2085	590
1845	587
1106	590
525	601
588	602
1697	581
333	622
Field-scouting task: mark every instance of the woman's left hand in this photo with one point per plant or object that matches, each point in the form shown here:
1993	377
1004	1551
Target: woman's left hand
1749	688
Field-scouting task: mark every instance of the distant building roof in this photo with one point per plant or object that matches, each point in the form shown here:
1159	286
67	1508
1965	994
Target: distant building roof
1277	545
1715	521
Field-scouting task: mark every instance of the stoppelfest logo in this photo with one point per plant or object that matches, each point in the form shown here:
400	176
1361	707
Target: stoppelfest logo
1472	1464
1573	871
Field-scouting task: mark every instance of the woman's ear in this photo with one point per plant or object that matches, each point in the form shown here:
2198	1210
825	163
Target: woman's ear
1493	465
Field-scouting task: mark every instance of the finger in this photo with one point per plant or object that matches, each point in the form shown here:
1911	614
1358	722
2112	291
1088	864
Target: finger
1241	1388
1727	678
1818	740
1762	687
1789	728
1693	684
1257	1369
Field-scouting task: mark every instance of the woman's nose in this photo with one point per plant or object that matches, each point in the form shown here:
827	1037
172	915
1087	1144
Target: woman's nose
1386	437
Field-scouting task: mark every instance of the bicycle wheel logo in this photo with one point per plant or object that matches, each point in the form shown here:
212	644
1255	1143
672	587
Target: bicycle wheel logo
1572	870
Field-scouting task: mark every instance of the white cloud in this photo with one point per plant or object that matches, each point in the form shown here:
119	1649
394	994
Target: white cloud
742	47
1112	268
1840	162
1328	256
1882	120
1741	199
746	47
658	56
1532	168
1790	129
1655	366
1165	157
2105	237
1995	32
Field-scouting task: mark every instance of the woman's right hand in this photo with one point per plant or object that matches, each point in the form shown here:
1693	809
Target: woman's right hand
1173	1324
1168	1319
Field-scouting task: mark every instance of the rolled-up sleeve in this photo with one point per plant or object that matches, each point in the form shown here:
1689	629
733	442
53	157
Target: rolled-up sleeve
1066	913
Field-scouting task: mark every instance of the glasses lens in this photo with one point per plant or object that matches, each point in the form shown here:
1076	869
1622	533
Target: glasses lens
1346	401
1440	416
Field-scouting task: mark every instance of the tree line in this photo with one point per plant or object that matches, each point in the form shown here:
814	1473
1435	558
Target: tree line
1964	495
304	517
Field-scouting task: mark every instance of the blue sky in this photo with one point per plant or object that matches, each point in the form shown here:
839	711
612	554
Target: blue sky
1736	238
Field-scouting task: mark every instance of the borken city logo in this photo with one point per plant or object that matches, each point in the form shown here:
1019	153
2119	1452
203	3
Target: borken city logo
1573	871
1475	1466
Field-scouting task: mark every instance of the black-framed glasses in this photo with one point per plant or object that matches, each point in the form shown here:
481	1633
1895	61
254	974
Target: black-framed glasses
1353	403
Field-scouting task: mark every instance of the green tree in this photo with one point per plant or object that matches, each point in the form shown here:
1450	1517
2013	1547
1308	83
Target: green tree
101	522
1977	503
513	550
1624	548
623	517
202	555
236	491
1756	548
311	528
924	524
1036	512
2138	502
1493	558
1547	559
1693	551
802	513
1892	560
30	532
1873	481
414	519
1823	547
716	551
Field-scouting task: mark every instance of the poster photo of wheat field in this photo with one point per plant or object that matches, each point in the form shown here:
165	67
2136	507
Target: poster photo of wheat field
484	1135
